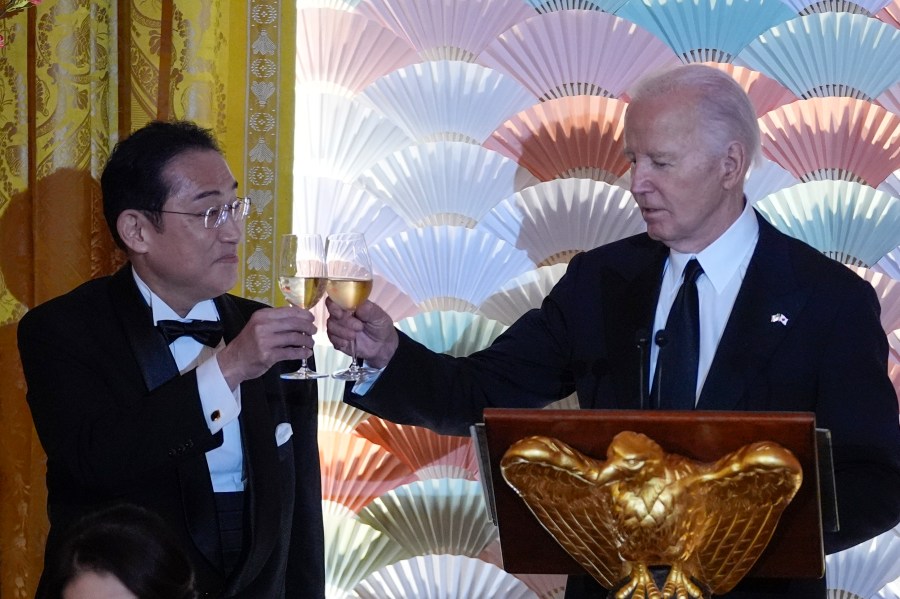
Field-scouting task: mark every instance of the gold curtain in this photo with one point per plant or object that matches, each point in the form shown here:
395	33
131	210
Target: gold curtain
75	77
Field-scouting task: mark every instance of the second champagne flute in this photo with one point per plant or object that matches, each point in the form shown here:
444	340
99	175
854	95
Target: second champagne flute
301	277
349	283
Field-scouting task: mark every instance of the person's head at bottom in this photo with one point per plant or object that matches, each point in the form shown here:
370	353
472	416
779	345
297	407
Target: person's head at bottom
120	552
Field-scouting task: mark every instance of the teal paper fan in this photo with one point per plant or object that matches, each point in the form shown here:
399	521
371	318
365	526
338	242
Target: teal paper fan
706	30
577	52
828	54
453	333
852	223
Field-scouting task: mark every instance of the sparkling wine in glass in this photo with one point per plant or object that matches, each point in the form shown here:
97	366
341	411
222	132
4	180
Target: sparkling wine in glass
301	278
349	284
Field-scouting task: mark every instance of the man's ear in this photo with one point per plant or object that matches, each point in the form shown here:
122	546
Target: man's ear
132	226
734	165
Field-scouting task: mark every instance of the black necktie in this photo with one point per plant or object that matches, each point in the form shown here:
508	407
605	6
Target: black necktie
676	387
207	332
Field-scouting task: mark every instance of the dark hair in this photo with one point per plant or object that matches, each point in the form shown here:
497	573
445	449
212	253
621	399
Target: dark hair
132	177
130	543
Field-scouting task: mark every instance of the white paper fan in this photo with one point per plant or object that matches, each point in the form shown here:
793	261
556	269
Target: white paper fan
522	293
442	183
448	268
453	333
888	291
427	453
890	591
347	5
828	54
852	223
441	30
448	100
555	220
441	577
890	98
437	516
706	30
833	138
577	52
334	414
545	6
767	178
341	52
339	138
765	93
891	185
355	471
353	550
575	136
865	568
569	402
890	264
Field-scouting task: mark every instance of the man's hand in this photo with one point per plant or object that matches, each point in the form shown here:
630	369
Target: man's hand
370	326
271	335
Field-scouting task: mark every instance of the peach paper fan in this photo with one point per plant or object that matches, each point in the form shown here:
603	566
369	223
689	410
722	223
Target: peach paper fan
522	293
570	137
441	30
888	291
833	138
342	52
557	219
765	93
890	14
448	100
577	53
453	333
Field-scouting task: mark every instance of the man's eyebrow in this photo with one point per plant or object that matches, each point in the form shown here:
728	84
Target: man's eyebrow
212	192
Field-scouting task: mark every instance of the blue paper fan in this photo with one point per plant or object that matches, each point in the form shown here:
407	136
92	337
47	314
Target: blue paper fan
546	6
706	30
857	7
853	223
828	54
448	100
577	52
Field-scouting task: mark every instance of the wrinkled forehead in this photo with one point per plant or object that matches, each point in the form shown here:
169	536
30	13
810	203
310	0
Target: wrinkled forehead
195	173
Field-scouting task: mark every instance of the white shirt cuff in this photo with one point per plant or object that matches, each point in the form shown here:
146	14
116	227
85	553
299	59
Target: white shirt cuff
220	404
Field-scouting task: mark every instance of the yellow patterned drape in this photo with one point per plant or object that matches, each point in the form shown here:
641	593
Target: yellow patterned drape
75	77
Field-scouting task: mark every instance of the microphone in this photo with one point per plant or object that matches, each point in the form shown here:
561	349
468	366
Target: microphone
661	340
642	341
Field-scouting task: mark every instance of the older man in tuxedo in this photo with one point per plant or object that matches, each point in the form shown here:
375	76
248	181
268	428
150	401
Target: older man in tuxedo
156	387
781	327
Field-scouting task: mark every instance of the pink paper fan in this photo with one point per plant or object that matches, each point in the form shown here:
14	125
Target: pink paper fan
833	138
441	30
423	451
577	52
343	51
888	291
571	137
355	471
890	14
765	93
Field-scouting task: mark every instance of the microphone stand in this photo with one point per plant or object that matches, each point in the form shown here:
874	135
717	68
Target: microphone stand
661	341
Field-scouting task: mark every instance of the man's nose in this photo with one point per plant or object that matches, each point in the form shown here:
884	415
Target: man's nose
231	229
640	183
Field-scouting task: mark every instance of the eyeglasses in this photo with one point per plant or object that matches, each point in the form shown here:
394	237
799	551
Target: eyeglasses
215	216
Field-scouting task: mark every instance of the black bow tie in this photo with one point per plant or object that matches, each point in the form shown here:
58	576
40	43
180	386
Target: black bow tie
207	332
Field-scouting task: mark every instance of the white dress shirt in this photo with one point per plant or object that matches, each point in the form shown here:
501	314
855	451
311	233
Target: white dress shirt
724	264
226	462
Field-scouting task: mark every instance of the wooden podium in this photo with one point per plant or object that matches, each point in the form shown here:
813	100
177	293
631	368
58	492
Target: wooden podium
796	548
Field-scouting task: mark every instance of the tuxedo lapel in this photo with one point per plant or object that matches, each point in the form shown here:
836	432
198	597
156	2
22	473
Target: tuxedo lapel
768	298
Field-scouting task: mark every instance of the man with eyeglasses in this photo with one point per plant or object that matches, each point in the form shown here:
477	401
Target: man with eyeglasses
157	387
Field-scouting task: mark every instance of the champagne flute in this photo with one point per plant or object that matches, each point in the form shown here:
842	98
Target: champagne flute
301	277
349	284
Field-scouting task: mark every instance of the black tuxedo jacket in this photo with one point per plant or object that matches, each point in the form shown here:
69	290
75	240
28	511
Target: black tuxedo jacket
829	357
118	423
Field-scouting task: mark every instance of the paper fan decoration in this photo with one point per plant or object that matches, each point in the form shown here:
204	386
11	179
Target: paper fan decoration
767	178
890	264
356	471
833	138
577	52
576	136
347	5
353	550
328	206
706	30
852	223
522	293
890	99
425	452
546	586
890	14
448	100
865	568
342	52
334	414
547	6
442	183
888	291
448	268
437	516
338	138
441	30
555	220
453	333
441	577
566	403
860	7
831	54
764	92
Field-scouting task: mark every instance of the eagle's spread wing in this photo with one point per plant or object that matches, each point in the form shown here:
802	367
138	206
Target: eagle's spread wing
745	493
555	482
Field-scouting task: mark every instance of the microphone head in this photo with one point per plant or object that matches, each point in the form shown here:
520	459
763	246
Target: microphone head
641	338
661	338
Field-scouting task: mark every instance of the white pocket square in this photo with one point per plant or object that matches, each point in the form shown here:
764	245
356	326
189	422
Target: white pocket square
283	432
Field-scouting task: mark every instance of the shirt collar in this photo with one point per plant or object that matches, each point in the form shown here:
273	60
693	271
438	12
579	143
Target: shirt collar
205	310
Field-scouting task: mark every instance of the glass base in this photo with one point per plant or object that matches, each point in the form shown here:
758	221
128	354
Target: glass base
304	374
354	374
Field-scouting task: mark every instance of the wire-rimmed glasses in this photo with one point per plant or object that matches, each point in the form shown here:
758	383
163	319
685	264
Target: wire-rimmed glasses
215	216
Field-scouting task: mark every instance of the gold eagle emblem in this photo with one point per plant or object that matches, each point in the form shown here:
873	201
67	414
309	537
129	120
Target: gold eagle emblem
642	508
